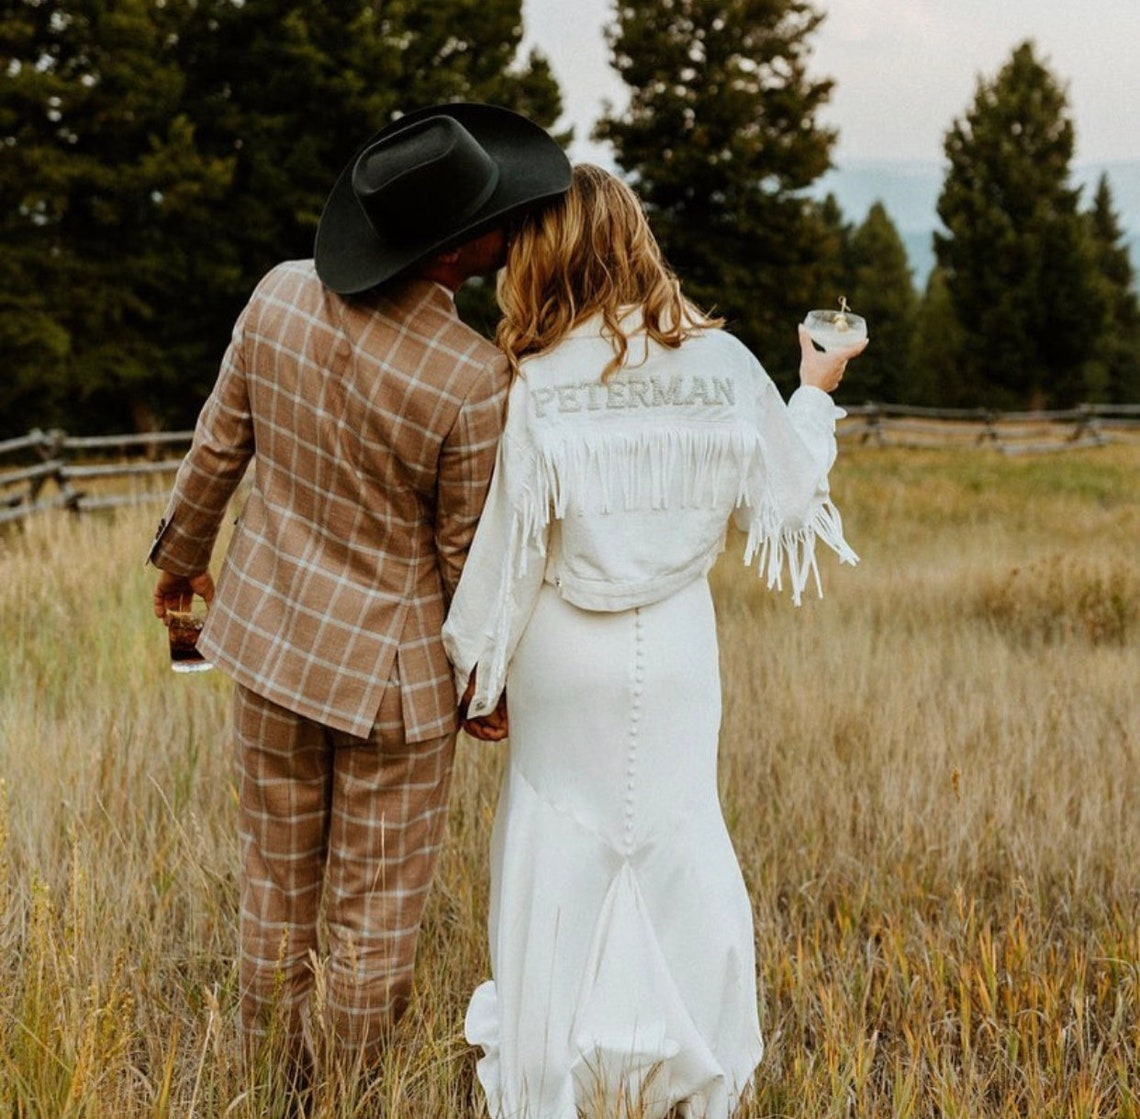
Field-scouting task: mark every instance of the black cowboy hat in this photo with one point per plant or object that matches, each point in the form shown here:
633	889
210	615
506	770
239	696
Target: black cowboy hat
431	180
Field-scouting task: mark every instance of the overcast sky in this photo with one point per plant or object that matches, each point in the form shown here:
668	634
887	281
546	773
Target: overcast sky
904	69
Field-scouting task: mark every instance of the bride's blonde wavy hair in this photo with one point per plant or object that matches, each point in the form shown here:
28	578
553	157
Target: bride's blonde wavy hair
591	252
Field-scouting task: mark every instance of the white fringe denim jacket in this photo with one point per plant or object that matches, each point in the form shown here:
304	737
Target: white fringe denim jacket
620	493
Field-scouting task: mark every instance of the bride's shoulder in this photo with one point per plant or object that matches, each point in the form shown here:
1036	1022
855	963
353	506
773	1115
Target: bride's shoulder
720	339
727	353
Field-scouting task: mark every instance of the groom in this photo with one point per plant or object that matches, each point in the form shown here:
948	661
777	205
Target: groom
371	414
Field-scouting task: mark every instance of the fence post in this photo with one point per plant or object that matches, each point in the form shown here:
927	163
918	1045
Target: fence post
1089	422
874	424
54	445
990	433
45	448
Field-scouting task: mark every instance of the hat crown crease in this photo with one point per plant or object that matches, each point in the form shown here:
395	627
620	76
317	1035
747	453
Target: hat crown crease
422	180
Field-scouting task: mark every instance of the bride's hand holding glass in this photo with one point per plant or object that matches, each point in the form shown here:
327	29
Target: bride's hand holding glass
842	336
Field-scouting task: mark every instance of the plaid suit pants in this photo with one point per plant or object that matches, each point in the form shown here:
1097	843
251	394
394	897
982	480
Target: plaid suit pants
341	827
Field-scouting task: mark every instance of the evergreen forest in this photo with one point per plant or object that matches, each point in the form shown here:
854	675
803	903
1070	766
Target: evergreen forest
158	156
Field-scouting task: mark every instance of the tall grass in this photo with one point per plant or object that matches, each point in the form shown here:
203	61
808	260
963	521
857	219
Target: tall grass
931	775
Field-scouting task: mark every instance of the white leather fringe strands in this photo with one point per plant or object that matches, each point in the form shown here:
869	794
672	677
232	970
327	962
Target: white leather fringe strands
702	462
778	546
686	465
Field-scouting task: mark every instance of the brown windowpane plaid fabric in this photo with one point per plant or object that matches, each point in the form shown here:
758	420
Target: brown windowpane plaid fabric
368	814
373	424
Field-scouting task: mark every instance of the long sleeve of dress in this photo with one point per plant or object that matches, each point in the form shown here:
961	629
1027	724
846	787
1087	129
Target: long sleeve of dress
501	579
789	508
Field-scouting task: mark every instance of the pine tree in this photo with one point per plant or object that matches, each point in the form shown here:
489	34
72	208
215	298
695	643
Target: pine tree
835	266
100	166
881	290
1116	361
1016	254
160	155
289	89
720	141
936	377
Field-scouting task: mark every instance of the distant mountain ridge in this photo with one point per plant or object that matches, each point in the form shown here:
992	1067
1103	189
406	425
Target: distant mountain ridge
909	191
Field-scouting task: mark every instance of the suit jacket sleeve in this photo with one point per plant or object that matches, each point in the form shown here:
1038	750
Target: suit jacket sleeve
219	454
466	463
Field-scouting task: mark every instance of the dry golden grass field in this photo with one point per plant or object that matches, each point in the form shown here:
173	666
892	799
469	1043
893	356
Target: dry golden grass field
932	776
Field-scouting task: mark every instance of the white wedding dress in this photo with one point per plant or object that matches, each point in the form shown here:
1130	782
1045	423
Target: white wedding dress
623	973
620	931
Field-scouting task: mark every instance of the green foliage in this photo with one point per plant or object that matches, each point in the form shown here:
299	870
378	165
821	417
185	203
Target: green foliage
882	292
100	169
161	155
835	264
720	141
1018	265
1115	367
934	348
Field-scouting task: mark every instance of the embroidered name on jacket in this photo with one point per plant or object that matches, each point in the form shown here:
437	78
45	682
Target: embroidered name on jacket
635	392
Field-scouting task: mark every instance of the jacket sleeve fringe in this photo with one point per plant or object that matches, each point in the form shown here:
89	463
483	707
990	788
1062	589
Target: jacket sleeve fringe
777	546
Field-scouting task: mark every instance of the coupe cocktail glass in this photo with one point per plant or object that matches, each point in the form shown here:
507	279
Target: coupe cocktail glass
836	330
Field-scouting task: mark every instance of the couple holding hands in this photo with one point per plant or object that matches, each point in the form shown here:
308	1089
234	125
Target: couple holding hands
514	537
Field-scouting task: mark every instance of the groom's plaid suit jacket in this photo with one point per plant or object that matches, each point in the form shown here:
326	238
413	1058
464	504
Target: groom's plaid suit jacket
372	424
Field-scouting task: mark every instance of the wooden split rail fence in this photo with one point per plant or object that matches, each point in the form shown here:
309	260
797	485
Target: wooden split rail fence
52	470
896	425
55	471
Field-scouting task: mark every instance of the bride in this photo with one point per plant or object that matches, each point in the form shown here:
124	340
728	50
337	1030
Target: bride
621	934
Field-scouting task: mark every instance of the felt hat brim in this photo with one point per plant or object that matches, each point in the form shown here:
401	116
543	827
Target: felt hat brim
351	255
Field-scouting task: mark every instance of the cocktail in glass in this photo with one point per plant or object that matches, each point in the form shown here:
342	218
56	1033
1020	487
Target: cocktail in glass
836	330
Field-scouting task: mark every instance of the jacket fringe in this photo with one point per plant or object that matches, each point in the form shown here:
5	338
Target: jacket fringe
779	546
644	470
641	470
